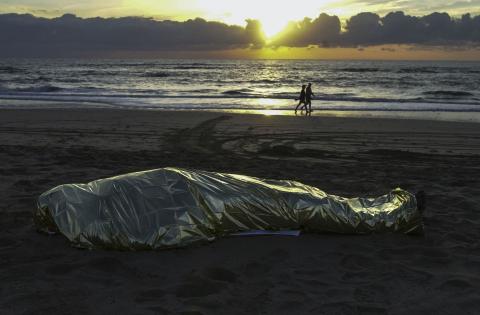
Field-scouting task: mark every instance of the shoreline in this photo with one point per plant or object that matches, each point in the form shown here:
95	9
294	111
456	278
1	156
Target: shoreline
419	115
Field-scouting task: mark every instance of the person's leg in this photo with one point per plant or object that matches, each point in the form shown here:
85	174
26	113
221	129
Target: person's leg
304	106
299	103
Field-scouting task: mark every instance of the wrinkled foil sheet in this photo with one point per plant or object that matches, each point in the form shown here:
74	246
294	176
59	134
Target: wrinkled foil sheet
174	207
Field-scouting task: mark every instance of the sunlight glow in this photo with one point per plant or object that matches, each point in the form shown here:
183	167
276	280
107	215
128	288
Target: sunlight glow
274	16
269	112
268	103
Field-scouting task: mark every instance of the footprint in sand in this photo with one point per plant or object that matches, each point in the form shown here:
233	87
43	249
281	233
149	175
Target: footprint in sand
7	243
153	295
279	255
356	262
60	269
23	185
290	306
206	282
254	269
342	307
455	285
461	238
221	274
108	265
371	294
434	253
371	310
158	310
357	277
349	308
199	287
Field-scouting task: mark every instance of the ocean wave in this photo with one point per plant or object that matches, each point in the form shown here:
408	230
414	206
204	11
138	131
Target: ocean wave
235	96
448	94
40	89
30	80
29	90
134	64
103	72
108	64
266	81
412	70
190	66
228	106
252	81
72	80
418	70
10	69
42	78
359	70
203	91
157	74
239	92
91	72
194	66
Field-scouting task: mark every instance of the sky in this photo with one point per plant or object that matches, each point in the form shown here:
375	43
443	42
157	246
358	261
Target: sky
273	16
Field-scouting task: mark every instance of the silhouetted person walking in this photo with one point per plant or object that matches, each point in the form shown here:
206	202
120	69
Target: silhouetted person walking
302	99
308	98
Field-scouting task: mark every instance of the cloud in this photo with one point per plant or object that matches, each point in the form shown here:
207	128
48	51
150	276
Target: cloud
412	6
27	36
367	29
255	33
320	31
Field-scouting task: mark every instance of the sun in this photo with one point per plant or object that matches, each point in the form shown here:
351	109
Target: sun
272	27
274	15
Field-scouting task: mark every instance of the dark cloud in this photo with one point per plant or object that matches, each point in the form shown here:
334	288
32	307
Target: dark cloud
366	29
255	33
398	28
363	29
320	31
26	35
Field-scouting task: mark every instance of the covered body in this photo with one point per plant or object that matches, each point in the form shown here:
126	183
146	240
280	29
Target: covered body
173	207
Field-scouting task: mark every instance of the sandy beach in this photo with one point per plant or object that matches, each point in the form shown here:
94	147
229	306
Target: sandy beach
437	273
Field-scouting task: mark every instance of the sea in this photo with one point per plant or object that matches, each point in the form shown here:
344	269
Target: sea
369	87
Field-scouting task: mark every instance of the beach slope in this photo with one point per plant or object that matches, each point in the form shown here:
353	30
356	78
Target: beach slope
436	273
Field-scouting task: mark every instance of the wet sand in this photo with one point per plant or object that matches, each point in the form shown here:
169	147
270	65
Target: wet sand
437	273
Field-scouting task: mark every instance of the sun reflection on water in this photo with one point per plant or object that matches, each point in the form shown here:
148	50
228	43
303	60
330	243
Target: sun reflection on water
271	112
270	107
